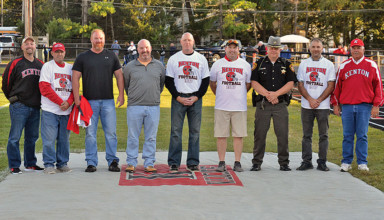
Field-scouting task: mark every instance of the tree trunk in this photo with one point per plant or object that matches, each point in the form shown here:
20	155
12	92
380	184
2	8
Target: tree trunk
112	32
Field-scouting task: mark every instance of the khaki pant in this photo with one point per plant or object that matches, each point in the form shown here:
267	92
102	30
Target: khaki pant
263	115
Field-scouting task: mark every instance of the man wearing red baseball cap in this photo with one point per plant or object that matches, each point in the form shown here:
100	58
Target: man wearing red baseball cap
360	92
56	101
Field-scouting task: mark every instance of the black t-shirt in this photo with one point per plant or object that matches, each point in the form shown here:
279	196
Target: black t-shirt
97	73
273	76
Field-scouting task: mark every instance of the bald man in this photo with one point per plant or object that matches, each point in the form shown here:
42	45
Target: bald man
144	81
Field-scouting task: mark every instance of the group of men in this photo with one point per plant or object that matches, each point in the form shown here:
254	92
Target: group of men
54	86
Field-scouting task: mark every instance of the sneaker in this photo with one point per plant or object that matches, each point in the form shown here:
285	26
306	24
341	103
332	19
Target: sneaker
322	167
150	169
285	168
221	167
130	169
34	168
363	167
16	171
114	166
237	167
345	167
174	168
49	170
305	166
64	169
256	167
90	169
193	168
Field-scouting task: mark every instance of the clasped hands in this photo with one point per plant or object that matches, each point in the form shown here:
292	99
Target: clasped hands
272	97
187	101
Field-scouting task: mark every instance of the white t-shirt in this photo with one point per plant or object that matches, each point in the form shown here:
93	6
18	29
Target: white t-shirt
60	79
315	76
231	79
187	71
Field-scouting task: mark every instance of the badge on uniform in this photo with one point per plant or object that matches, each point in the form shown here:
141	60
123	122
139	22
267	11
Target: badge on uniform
283	71
291	67
254	66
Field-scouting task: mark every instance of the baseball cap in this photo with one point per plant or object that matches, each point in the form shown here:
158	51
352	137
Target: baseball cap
232	41
357	42
28	38
58	46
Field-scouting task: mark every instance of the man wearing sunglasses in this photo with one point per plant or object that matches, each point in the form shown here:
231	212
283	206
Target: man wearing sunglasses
230	81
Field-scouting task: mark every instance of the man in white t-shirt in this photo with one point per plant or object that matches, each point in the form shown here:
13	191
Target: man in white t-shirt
316	76
56	100
230	82
187	79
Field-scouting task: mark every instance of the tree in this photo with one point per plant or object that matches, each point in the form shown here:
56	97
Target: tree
63	28
102	9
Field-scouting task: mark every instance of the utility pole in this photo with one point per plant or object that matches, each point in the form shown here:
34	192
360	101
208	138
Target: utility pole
221	19
84	13
182	15
28	17
2	14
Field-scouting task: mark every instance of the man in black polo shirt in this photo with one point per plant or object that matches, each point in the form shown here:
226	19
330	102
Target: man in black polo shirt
272	78
97	67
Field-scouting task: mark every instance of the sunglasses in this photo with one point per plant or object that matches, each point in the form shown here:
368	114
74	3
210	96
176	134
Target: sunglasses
233	42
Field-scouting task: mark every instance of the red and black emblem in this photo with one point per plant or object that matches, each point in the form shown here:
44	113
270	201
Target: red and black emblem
63	82
187	70
313	76
230	76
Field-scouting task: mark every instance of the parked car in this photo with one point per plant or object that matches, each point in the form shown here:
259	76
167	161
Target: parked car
10	43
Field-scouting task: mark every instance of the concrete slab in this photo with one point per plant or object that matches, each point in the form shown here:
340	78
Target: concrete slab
267	194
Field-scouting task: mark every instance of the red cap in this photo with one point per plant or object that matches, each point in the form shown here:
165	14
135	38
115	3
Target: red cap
58	46
357	42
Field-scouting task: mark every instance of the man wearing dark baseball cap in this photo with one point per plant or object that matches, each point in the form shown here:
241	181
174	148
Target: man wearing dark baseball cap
359	92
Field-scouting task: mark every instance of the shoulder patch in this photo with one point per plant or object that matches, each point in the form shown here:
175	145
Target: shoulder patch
254	66
291	67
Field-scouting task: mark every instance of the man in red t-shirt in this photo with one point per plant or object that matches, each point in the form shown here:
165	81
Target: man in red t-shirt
360	92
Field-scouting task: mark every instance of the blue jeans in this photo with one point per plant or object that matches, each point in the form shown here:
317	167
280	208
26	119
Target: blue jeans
27	118
162	60
137	116
105	109
178	112
355	120
54	128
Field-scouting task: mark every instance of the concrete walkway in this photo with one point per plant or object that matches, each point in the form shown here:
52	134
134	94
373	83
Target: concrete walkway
267	194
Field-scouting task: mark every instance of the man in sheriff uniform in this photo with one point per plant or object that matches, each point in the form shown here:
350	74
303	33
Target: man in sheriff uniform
272	78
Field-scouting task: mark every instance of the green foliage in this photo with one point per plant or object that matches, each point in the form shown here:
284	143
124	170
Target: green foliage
65	29
102	8
232	27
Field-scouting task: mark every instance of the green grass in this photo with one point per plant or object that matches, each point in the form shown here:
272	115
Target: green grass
208	143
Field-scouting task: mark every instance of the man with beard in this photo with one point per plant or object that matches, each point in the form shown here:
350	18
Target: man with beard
97	67
21	87
144	81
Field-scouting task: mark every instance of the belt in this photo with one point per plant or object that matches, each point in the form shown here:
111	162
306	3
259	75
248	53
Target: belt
186	94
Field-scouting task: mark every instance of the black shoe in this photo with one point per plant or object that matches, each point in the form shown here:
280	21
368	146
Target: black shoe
221	167
285	168
16	171
237	167
322	167
256	167
174	168
305	166
193	168
114	167
34	168
90	169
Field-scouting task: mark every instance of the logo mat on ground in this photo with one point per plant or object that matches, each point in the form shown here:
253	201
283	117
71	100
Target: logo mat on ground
207	176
